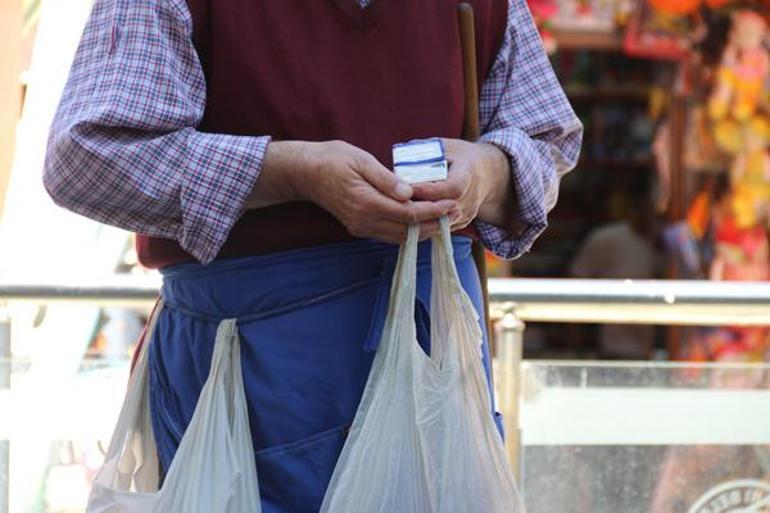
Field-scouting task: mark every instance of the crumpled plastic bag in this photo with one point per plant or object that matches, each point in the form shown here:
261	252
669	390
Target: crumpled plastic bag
213	470
423	439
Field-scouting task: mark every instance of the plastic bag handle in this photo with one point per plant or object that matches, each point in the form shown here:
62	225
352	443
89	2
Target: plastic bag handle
134	413
445	282
443	254
220	418
448	295
406	266
137	380
403	294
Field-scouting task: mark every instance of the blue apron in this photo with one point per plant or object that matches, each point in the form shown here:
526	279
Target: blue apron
309	322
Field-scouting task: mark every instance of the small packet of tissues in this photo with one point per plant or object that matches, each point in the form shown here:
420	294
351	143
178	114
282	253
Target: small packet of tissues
420	160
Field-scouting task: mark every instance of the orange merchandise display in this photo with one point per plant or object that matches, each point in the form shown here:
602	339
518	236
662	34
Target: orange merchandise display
676	7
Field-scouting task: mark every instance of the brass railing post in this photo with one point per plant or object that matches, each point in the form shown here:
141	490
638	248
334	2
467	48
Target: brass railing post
509	356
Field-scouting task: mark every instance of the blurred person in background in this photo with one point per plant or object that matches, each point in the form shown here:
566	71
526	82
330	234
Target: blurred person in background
623	249
248	144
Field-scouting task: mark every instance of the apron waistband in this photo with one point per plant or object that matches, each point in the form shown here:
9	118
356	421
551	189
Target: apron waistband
255	288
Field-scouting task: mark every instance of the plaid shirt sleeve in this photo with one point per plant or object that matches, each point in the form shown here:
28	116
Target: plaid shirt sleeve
123	147
525	113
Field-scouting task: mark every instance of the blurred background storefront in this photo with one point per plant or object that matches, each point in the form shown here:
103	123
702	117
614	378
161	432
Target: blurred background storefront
664	414
674	176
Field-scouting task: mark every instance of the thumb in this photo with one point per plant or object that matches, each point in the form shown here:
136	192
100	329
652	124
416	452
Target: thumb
383	179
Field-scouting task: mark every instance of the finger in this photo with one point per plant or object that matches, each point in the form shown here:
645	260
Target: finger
428	229
425	211
381	178
389	231
410	212
455	215
452	147
454	187
435	191
460	221
395	233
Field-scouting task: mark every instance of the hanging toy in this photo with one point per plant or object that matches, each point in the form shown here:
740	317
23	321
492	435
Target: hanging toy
728	136
750	175
744	71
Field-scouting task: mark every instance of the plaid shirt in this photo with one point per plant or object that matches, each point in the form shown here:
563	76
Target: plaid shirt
124	149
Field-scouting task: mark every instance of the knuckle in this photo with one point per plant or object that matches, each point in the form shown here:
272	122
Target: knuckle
366	157
437	210
359	160
340	146
365	162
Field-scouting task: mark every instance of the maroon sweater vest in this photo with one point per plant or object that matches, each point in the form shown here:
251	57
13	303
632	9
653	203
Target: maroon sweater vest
319	70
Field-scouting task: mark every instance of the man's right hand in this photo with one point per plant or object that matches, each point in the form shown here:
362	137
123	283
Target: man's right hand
367	198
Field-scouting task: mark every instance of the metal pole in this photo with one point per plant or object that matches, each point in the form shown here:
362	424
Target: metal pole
5	383
678	195
509	357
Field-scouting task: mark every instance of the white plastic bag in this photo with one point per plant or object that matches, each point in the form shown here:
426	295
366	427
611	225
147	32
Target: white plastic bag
423	439
213	470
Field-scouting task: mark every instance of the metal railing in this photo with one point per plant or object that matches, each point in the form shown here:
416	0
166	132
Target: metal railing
514	301
554	300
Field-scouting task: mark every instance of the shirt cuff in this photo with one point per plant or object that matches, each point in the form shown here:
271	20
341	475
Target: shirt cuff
214	195
527	181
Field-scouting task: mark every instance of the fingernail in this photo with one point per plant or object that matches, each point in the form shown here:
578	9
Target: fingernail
403	190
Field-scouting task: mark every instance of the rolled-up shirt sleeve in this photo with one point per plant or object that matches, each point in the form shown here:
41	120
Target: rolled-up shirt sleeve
123	147
525	113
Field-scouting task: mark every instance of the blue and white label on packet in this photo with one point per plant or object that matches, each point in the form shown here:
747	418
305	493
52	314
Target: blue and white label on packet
420	160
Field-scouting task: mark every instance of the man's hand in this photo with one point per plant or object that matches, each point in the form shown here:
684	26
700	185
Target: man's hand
478	179
368	199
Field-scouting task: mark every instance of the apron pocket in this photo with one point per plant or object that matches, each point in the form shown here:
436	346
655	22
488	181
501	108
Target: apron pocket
293	477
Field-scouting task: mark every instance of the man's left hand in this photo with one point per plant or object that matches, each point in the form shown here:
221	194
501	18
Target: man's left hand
478	178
